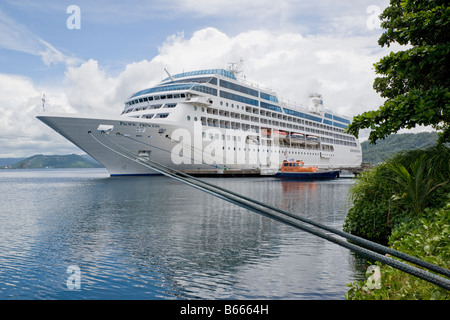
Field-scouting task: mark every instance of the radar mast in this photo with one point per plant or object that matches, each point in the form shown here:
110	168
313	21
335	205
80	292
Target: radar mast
236	67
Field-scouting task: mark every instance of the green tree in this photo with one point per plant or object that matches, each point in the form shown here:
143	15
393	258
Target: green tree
415	82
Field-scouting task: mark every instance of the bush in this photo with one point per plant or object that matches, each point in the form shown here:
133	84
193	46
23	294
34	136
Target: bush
426	237
404	185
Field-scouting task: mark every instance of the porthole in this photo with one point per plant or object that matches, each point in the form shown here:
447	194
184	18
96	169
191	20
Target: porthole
188	118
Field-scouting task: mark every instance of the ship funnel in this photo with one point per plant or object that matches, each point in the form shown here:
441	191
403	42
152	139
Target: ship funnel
315	100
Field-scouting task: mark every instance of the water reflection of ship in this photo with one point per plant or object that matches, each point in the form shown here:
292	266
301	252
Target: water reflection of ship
297	196
293	185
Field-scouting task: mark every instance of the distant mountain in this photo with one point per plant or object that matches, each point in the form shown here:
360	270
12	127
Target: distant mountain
55	161
8	161
394	143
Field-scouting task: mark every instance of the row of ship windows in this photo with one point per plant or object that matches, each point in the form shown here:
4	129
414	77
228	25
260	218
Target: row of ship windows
272	119
337	138
288	152
156	98
176	87
228	85
246	127
233	125
150	107
257	149
222	83
278	109
248	109
245	90
248	101
152	116
222	72
272	115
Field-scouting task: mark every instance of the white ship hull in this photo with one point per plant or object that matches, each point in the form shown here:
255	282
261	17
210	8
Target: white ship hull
116	142
208	121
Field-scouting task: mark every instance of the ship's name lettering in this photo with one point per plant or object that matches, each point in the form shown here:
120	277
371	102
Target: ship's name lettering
134	124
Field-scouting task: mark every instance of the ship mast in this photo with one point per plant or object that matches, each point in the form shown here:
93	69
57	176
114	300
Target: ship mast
170	76
236	67
43	102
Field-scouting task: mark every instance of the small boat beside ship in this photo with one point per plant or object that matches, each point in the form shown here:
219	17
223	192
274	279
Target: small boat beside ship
295	169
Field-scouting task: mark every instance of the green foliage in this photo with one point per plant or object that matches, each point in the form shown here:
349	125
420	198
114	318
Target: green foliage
384	149
415	82
372	214
405	184
426	237
405	200
416	184
54	161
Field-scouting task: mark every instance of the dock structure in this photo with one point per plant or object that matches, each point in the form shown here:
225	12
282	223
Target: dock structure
224	173
358	170
216	172
351	171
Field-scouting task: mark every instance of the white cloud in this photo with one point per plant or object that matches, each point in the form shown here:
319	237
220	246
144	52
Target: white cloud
14	36
312	17
21	134
50	55
291	64
17	37
91	90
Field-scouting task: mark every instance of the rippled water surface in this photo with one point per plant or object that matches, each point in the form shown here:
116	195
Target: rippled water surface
155	238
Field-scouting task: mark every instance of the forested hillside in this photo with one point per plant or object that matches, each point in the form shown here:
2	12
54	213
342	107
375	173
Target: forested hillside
394	143
55	161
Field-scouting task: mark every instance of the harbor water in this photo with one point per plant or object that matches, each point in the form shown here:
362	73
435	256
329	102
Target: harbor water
80	234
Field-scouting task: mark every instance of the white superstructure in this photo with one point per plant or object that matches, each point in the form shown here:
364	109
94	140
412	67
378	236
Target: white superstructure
210	121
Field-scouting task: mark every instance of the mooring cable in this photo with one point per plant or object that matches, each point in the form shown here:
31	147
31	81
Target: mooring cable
423	274
364	242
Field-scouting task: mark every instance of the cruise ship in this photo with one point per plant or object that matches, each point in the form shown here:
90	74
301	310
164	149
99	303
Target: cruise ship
211	121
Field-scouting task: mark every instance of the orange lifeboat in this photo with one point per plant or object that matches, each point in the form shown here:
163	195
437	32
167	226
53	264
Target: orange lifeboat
295	169
296	166
277	134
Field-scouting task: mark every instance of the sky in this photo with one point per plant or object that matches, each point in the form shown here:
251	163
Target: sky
87	57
